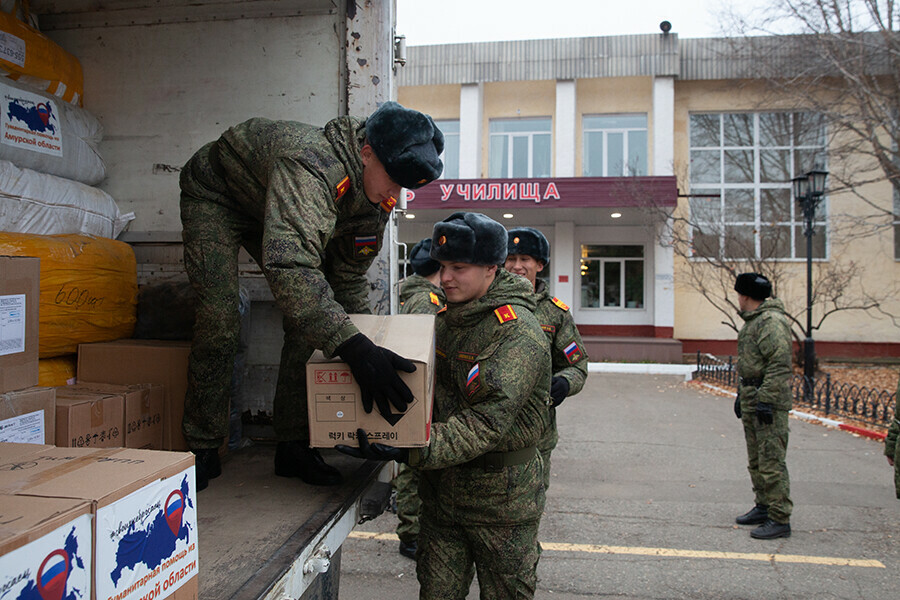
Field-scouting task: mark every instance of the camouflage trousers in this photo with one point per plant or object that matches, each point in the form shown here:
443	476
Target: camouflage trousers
409	505
505	558
214	231
766	451
547	444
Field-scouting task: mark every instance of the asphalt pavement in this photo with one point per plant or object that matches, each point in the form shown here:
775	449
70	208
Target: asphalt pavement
645	484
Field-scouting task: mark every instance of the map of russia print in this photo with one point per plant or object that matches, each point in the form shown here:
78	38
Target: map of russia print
146	542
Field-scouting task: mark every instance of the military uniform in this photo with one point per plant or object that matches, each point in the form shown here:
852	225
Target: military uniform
764	366
481	478
417	296
292	195
891	447
568	356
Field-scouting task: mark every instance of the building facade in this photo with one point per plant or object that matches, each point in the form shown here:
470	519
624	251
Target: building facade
621	148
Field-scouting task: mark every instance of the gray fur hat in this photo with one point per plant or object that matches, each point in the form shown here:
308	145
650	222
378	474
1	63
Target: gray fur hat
529	241
469	237
754	285
420	259
407	143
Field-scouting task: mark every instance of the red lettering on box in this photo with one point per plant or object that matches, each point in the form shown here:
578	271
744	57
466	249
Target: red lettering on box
333	376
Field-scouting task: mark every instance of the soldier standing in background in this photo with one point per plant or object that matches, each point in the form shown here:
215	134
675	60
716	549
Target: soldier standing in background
763	402
891	447
420	293
529	254
310	205
481	478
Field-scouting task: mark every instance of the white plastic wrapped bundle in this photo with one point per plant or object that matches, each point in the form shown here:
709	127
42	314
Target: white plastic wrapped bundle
32	202
41	132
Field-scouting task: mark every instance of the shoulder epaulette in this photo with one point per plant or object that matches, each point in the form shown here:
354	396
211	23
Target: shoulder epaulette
505	313
434	298
388	205
559	303
342	188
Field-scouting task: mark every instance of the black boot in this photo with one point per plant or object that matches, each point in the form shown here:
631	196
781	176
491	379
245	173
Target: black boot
771	530
207	466
297	459
408	549
756	515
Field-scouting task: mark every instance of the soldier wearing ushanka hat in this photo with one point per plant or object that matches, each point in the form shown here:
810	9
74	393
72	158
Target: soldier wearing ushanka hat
310	205
528	255
481	477
763	403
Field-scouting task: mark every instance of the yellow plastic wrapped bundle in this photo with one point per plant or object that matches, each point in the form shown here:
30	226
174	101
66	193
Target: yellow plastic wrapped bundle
57	371
88	288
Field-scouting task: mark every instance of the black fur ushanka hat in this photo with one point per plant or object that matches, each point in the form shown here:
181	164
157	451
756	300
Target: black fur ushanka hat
407	143
529	241
754	285
469	237
420	259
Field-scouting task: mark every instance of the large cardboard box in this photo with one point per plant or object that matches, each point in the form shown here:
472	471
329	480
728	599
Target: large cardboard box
335	406
45	548
144	405
28	416
20	279
145	516
143	361
89	420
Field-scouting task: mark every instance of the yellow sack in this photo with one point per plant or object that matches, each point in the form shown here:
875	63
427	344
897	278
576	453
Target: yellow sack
30	57
88	288
54	372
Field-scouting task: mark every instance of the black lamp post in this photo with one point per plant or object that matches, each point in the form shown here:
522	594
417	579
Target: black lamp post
808	192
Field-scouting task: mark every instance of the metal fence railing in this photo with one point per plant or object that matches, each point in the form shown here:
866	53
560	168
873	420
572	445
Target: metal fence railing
869	405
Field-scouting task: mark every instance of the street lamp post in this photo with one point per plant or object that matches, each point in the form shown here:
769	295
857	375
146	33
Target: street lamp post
808	191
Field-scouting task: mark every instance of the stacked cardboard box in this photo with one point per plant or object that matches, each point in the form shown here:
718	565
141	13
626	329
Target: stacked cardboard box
143	518
105	415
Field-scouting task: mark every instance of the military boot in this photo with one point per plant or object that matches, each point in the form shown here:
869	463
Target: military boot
755	516
207	466
297	459
408	549
771	530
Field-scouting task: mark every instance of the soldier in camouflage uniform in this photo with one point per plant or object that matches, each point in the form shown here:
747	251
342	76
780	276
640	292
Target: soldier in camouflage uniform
529	254
420	293
763	402
481	478
891	447
310	205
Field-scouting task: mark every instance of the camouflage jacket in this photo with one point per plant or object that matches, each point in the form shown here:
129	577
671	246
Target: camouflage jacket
893	433
764	352
492	387
567	354
304	186
420	296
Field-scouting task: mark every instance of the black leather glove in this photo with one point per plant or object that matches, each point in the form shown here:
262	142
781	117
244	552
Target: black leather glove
559	389
764	413
375	370
737	407
374	451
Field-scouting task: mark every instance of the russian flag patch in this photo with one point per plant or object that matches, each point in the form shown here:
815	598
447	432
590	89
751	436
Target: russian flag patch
573	352
365	245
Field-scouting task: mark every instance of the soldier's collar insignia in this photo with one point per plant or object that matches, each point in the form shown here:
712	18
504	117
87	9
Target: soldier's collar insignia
443	309
389	204
505	313
559	303
342	188
364	245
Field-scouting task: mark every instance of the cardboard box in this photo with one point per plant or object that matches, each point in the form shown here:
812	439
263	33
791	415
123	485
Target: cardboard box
145	518
144	405
28	416
20	279
335	407
143	361
45	548
89	420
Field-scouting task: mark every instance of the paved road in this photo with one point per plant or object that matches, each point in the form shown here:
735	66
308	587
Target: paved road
646	482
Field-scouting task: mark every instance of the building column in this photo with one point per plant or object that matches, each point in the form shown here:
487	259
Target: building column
471	111
565	262
663	126
565	125
663	164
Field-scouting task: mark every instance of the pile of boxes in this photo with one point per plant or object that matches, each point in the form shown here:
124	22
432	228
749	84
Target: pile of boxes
91	505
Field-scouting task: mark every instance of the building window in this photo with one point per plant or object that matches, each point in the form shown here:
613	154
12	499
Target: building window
520	148
740	181
615	145
450	156
612	276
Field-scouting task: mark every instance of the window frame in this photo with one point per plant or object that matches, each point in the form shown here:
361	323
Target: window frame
623	284
449	137
510	136
605	131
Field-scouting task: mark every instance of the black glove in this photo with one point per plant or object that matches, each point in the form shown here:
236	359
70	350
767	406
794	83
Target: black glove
374	451
559	389
375	370
764	413
737	407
